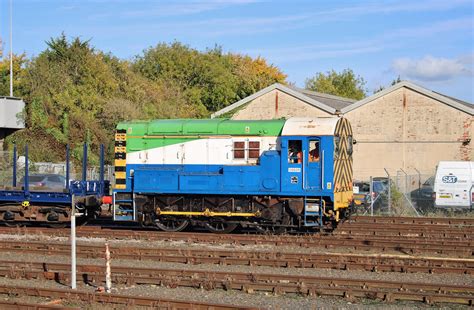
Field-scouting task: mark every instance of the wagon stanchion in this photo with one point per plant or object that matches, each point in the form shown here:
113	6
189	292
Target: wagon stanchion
14	167
73	243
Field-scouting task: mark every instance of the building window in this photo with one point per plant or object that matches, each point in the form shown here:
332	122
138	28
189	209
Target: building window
239	149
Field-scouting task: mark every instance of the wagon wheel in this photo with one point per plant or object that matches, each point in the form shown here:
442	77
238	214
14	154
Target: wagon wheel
220	227
171	224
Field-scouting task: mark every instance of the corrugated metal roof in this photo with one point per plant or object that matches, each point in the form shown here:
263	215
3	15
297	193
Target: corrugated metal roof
453	102
335	102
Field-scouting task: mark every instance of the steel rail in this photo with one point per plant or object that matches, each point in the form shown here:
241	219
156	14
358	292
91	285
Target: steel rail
412	220
16	305
407	245
104	298
248	281
342	261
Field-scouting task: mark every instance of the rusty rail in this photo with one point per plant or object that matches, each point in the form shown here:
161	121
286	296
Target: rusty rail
342	261
249	282
104	298
401	244
412	220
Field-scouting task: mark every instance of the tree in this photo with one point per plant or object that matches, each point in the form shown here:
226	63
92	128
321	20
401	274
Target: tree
344	84
209	79
395	81
76	93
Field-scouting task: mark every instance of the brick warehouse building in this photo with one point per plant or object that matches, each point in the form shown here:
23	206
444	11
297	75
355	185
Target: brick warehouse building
404	126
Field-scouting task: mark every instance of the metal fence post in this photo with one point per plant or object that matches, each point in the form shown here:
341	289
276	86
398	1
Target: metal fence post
371	197
389	192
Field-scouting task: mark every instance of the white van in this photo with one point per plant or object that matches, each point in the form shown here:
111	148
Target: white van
453	185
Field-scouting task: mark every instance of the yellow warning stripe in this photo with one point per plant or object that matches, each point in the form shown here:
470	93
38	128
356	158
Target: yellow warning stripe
120	162
120	175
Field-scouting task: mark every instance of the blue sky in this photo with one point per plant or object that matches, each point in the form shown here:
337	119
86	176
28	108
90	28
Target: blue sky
427	42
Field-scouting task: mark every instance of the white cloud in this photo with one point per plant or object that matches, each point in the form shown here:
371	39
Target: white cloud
430	68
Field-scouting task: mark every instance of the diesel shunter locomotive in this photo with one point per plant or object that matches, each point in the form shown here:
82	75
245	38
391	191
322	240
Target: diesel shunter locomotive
273	175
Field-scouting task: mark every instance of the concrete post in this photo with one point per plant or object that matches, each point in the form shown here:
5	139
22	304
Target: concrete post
108	279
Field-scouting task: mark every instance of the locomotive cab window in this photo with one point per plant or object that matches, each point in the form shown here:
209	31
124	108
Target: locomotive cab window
313	154
295	154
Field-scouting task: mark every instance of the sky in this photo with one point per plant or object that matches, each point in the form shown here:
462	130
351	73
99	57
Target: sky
430	43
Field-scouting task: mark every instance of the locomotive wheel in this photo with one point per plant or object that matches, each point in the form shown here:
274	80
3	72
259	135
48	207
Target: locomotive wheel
270	230
275	229
58	225
171	224
220	227
14	224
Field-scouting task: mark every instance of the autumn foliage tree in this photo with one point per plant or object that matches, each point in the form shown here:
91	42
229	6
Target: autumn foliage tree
75	93
344	84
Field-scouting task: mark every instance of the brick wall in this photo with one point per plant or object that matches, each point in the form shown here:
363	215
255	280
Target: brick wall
405	129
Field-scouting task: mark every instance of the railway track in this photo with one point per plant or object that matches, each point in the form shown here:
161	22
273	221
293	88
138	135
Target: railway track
247	282
103	298
401	244
451	221
341	261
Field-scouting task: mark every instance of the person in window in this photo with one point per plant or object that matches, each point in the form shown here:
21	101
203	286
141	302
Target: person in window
314	153
295	156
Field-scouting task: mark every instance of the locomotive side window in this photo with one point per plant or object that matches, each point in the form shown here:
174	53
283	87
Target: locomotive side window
239	149
295	154
313	155
254	149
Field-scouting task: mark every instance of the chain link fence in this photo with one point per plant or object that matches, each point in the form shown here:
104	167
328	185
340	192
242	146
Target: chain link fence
401	193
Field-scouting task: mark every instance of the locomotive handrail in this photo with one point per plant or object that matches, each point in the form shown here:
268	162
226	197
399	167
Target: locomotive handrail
322	169
303	171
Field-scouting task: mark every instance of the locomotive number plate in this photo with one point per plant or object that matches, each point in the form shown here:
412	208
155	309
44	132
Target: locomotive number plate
294	169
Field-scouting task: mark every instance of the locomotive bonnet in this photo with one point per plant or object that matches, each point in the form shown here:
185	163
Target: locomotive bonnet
276	175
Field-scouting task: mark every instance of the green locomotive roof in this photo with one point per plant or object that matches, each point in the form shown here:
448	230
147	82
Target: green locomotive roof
203	127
